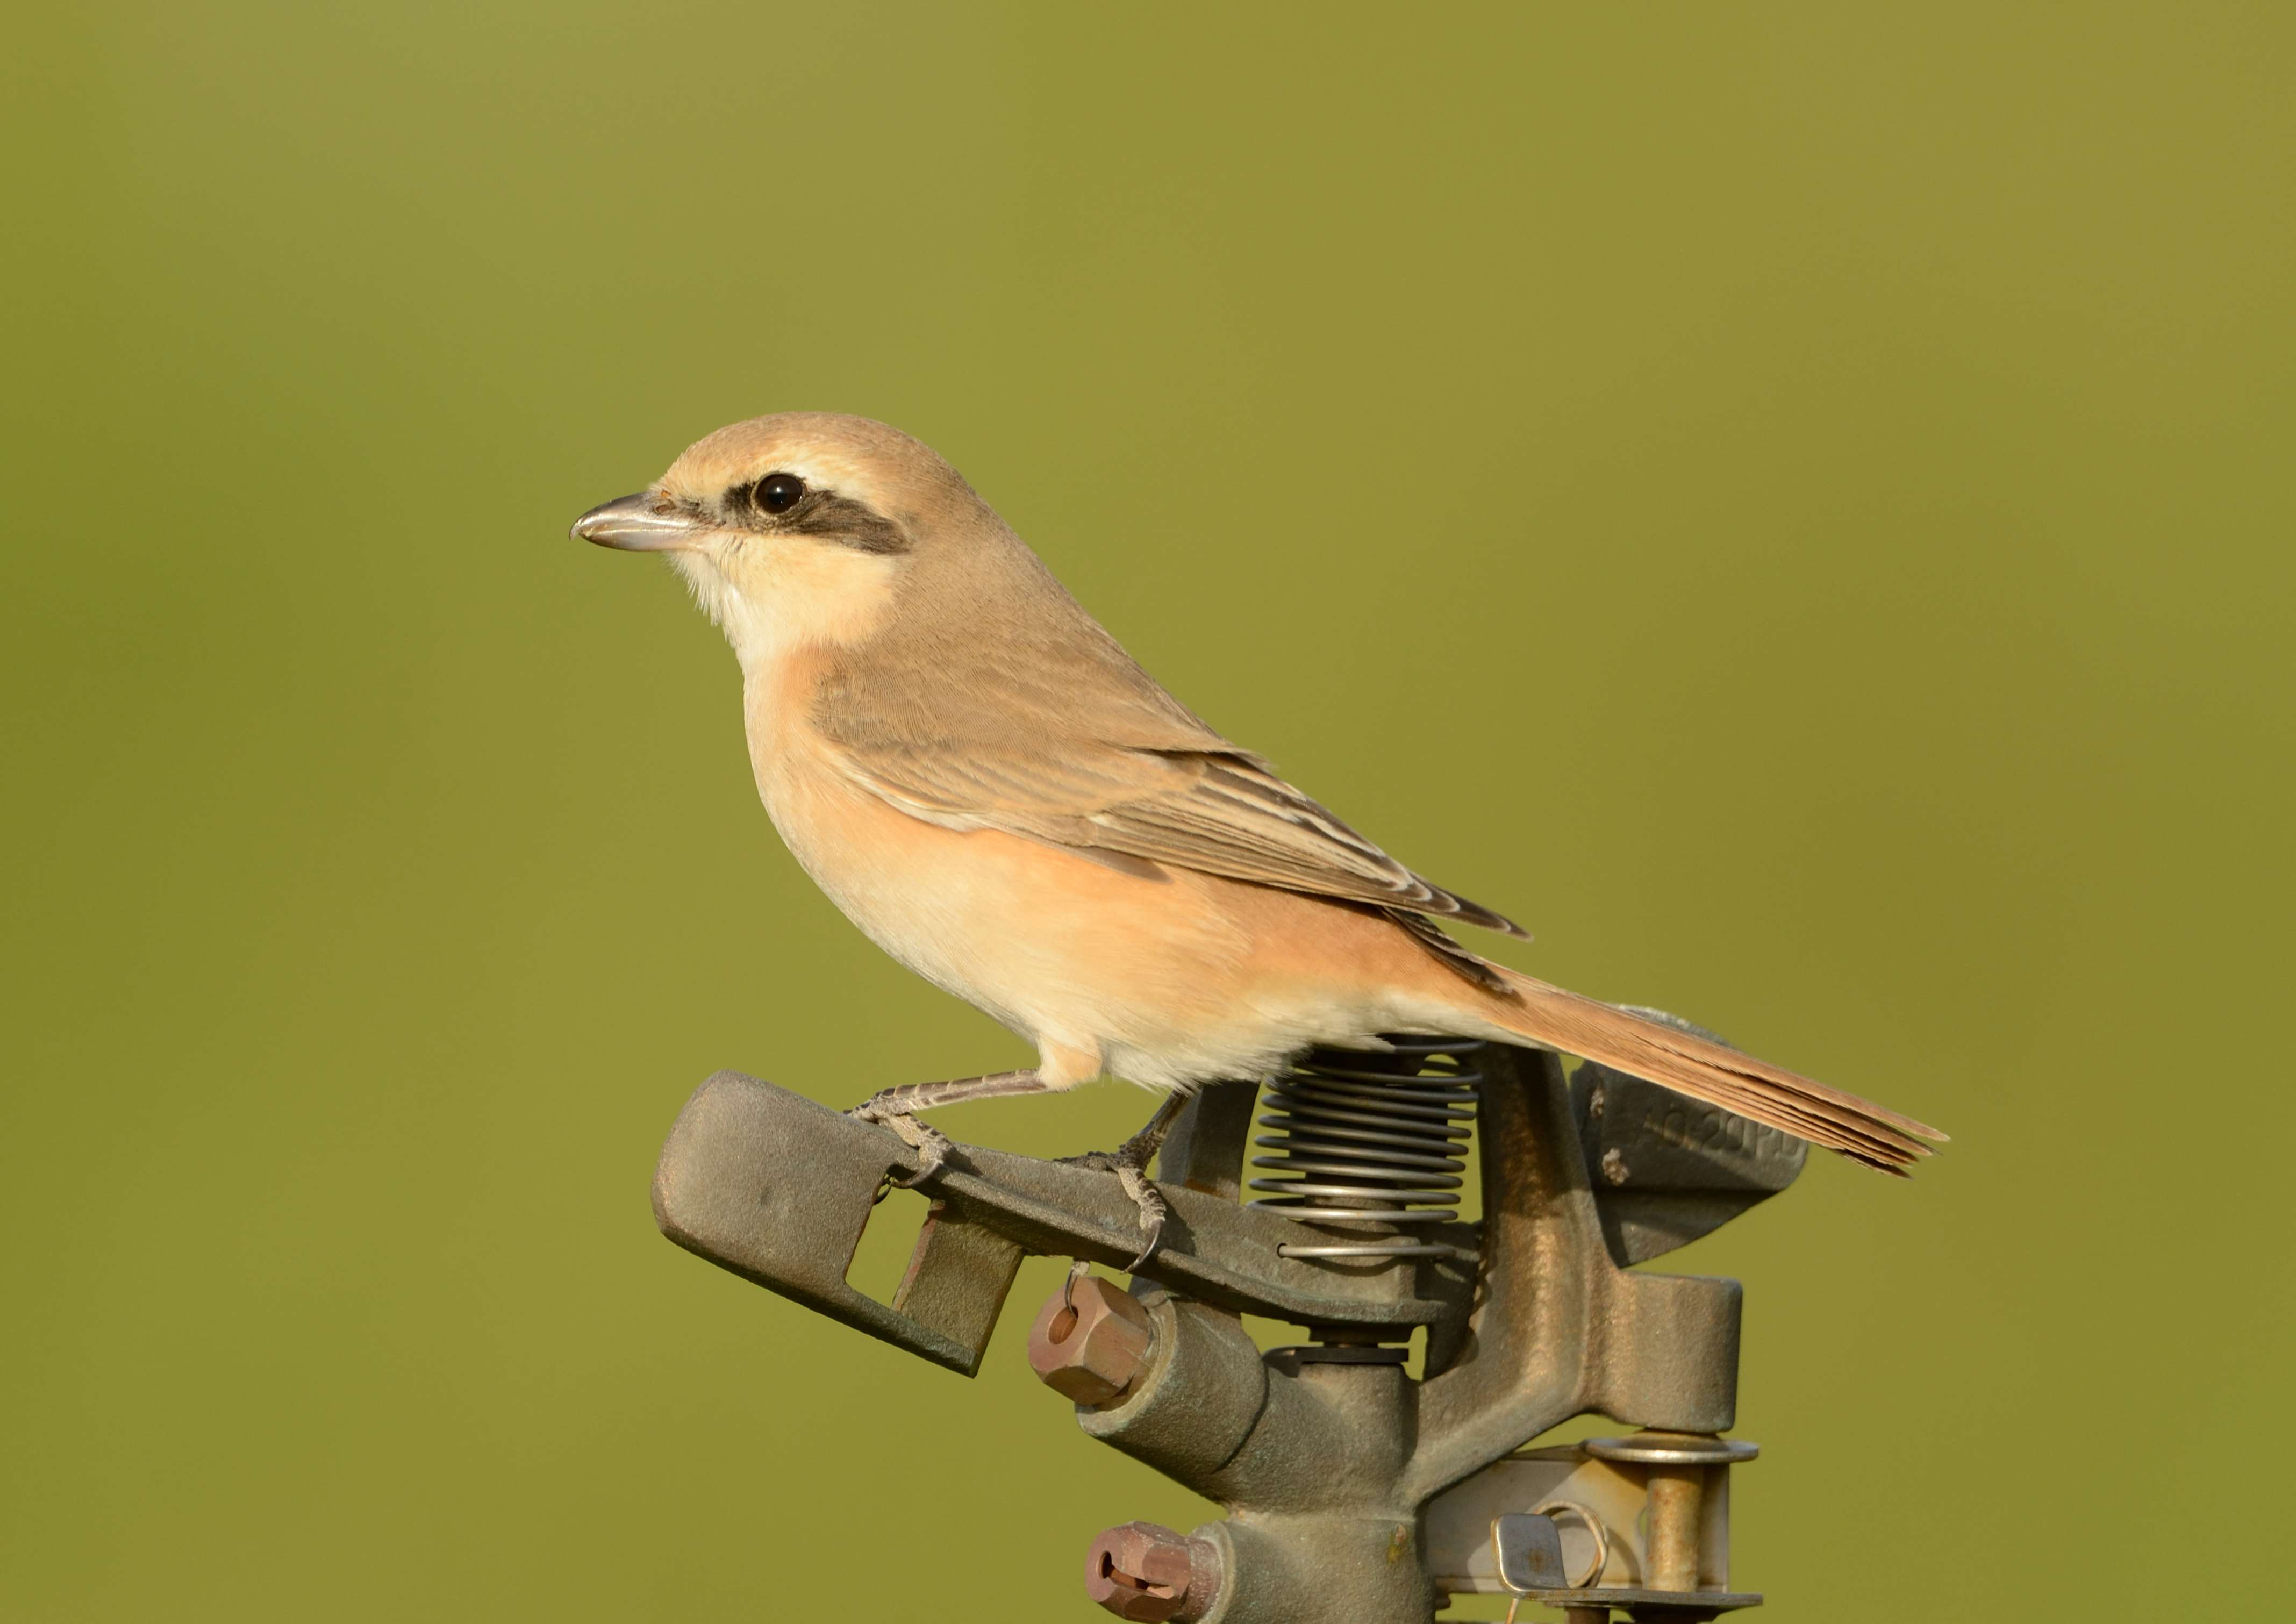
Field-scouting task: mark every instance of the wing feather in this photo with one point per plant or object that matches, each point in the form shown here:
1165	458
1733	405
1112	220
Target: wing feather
1022	714
1219	812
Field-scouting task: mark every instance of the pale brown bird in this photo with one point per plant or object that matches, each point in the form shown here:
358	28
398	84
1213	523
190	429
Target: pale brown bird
987	784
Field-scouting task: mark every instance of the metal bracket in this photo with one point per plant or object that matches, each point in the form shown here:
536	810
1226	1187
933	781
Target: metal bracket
778	1189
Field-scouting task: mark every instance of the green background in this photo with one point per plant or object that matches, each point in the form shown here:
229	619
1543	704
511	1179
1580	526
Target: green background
1792	502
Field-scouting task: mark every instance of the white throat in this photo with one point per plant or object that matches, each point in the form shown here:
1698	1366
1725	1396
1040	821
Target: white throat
772	596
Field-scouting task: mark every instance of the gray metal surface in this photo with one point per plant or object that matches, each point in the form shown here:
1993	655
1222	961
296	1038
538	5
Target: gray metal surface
1669	1170
1334	1467
1527	1548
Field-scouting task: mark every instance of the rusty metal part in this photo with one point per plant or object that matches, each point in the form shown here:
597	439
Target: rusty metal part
1090	1340
1674	1488
1325	1467
1340	1477
1674	1496
1616	1540
1145	1571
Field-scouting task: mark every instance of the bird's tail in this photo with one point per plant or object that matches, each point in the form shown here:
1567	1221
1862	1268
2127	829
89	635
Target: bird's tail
1550	1018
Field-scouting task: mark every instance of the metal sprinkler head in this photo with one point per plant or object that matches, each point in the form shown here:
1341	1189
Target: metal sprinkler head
1355	1486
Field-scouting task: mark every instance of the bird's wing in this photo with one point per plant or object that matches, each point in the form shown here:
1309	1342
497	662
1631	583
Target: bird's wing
1104	762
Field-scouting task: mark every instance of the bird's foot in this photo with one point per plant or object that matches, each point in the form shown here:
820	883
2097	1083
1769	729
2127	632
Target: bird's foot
898	1108
1130	1166
932	1145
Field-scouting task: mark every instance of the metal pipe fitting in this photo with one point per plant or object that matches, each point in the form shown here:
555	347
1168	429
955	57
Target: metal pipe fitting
1210	1411
1091	1339
1145	1571
1202	1394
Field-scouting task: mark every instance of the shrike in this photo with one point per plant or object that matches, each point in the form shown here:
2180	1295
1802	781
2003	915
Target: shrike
987	784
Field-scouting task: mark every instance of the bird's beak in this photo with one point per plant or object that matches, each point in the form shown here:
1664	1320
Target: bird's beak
632	524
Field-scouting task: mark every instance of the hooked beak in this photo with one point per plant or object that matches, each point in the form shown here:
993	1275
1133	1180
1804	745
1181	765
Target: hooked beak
631	524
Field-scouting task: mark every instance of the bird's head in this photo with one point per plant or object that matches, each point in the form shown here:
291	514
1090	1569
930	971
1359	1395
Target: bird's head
795	529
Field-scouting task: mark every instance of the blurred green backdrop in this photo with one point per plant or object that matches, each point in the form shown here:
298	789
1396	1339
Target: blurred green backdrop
1793	502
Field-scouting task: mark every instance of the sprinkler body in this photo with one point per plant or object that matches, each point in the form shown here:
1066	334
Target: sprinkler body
1353	1488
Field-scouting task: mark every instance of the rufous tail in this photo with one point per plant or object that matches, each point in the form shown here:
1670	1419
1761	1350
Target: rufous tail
1551	1017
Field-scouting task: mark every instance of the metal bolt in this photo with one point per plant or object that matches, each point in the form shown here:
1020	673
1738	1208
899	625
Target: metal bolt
1147	1571
1090	1341
1674	1484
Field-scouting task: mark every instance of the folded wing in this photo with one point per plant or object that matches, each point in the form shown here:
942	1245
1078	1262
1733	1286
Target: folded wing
1109	763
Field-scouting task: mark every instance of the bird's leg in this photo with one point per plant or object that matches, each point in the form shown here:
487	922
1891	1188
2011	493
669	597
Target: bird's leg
1130	1162
898	1108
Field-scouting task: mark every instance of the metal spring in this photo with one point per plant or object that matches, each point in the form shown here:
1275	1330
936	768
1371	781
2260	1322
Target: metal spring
1371	1139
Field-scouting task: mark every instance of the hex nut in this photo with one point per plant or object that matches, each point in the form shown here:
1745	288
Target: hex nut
1090	1341
1145	1571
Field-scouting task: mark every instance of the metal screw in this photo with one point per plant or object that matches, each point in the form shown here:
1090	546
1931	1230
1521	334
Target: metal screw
1090	1341
1145	1571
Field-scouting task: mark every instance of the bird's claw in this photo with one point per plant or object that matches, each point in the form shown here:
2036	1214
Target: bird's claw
932	1145
1153	1211
1131	1170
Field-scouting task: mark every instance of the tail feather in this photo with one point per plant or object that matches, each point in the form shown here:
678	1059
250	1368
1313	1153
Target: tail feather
1553	1017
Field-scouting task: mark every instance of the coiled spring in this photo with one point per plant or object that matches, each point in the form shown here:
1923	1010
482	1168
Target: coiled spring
1376	1140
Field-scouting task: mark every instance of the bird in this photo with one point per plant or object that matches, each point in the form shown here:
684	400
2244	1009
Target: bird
987	784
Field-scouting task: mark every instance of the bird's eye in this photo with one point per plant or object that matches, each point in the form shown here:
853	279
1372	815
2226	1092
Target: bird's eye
777	493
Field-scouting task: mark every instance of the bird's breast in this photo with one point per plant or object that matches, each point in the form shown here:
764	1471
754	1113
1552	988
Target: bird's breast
1045	940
